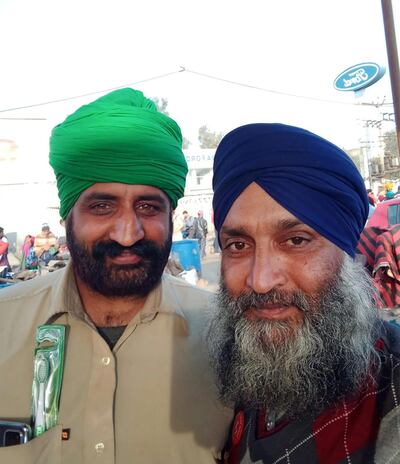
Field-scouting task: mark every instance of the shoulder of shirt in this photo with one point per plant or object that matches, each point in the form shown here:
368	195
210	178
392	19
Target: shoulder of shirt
30	288
26	305
184	298
183	290
179	283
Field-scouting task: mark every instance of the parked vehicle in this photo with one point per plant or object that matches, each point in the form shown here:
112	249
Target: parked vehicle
386	214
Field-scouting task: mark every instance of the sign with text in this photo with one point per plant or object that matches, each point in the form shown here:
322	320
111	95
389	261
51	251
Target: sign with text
200	158
359	77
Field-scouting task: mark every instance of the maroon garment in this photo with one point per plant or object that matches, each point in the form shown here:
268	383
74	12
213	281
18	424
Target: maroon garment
382	250
4	253
367	245
27	245
386	270
343	433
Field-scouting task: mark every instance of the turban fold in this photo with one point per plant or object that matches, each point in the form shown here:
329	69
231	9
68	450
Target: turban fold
118	138
310	177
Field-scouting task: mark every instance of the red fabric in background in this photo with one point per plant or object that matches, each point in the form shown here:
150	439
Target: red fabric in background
381	247
367	245
386	270
3	253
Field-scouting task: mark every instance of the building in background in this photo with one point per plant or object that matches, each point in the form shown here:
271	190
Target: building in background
198	191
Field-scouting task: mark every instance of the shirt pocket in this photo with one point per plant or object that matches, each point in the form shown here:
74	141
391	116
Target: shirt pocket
45	449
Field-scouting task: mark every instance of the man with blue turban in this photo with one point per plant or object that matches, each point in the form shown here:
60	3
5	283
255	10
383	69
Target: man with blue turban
297	344
136	386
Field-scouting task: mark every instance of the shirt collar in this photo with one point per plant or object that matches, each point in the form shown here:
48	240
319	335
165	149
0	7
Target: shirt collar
162	299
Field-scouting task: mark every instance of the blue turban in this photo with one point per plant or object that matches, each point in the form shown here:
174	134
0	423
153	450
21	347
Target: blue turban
310	177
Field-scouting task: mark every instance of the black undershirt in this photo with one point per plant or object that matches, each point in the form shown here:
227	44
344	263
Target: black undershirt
111	334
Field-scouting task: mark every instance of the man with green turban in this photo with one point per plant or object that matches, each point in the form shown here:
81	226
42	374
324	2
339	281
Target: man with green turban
120	137
136	385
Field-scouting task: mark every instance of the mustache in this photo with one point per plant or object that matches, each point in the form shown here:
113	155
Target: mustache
256	300
142	248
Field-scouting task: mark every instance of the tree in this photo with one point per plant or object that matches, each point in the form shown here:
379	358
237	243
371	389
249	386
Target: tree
390	140
162	104
209	139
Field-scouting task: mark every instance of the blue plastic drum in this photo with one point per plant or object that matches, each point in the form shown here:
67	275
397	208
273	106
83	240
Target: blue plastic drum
188	253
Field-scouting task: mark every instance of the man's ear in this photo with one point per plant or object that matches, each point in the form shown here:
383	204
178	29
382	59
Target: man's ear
68	221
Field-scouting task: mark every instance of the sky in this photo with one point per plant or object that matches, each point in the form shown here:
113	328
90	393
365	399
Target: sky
220	63
55	49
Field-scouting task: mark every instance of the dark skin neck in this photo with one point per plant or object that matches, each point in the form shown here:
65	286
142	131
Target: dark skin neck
108	312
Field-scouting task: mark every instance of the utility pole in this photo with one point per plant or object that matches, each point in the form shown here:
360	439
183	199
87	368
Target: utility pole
393	60
369	147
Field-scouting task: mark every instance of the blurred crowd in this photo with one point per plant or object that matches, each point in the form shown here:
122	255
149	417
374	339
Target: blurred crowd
36	252
196	227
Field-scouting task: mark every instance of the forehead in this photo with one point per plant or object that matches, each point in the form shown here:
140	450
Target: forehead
257	212
123	191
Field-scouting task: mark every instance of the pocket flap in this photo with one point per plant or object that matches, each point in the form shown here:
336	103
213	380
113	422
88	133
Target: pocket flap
45	449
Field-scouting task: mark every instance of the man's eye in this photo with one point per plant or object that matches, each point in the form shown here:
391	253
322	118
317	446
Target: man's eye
297	241
147	208
236	246
100	207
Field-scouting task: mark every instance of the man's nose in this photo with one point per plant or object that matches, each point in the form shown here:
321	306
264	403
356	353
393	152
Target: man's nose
127	229
268	271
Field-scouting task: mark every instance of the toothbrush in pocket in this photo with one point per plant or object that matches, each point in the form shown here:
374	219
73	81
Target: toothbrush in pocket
48	368
42	375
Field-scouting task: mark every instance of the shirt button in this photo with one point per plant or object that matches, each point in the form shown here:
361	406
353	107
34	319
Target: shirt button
99	447
106	360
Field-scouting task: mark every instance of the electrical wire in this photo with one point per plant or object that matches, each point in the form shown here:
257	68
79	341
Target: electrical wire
262	89
161	76
284	93
208	76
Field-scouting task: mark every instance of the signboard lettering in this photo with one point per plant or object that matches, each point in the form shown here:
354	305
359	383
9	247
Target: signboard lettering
359	77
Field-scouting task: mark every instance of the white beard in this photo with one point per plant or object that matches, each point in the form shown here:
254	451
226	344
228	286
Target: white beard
301	369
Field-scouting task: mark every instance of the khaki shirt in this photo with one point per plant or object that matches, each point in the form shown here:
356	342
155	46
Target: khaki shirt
150	400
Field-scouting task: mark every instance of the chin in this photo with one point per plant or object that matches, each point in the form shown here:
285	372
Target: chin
277	332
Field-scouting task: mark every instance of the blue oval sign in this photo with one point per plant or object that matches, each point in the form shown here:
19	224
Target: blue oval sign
359	77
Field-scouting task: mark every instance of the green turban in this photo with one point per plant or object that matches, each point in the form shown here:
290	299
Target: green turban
118	138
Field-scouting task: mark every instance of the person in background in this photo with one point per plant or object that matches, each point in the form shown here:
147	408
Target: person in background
371	197
4	245
28	255
45	245
297	343
216	247
389	195
187	229
63	252
371	202
202	227
197	234
136	383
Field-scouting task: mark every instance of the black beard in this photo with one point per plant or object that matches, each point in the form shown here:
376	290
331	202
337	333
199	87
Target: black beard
296	370
116	281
